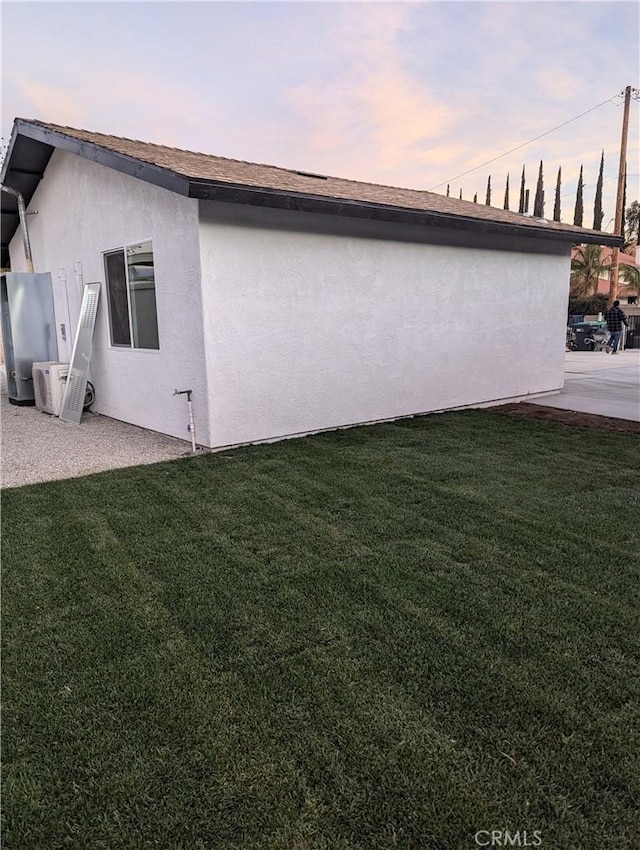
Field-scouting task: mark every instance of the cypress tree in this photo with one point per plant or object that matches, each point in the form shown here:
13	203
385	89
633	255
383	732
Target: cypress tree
598	215
521	205
556	206
475	198
506	195
447	190
460	194
538	204
578	212
488	199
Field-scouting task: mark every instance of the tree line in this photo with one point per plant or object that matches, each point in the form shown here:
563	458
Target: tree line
630	219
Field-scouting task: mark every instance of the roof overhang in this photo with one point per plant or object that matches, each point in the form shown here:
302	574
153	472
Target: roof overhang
260	197
28	154
31	146
23	169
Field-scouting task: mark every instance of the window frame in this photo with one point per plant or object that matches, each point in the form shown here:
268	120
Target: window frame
122	249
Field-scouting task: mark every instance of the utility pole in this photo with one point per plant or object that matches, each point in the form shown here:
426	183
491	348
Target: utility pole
615	254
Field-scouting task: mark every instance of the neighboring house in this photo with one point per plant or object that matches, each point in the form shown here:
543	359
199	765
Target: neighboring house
625	293
287	302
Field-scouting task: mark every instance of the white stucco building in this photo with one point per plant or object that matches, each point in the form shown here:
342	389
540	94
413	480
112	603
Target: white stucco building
287	302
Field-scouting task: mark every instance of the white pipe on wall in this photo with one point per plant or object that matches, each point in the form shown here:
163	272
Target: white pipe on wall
192	425
22	213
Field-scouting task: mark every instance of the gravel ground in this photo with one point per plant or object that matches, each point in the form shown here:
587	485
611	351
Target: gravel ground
37	447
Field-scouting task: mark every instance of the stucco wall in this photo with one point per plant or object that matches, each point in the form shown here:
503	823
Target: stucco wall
312	322
85	209
303	322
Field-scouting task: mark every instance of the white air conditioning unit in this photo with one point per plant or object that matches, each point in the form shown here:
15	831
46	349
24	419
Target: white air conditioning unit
49	380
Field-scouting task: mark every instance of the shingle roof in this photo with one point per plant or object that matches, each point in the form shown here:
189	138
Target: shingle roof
193	169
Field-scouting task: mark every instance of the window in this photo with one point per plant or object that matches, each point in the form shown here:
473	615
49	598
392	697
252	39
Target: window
131	294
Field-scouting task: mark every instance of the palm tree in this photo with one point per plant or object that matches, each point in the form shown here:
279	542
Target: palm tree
631	276
587	266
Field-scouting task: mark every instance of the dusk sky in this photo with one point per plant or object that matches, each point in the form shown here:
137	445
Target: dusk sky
406	94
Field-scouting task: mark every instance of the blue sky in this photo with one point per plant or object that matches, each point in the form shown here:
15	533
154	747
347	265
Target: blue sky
407	94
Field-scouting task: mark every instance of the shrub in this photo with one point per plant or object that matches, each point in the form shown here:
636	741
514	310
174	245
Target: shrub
592	305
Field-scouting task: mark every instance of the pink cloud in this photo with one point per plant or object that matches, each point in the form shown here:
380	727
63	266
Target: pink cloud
118	103
379	118
52	103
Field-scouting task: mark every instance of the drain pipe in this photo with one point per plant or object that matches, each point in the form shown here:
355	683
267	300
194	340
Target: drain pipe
192	427
22	213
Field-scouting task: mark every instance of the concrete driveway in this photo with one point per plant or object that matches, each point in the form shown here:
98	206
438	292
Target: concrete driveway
600	383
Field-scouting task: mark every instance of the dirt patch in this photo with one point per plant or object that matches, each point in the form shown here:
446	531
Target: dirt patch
574	418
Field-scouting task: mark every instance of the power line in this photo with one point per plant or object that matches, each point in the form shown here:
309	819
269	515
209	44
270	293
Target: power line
524	144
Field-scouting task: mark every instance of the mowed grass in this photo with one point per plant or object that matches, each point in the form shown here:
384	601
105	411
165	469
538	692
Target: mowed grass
392	636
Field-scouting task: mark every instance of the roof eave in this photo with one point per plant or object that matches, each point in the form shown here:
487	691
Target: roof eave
7	159
156	174
49	139
300	202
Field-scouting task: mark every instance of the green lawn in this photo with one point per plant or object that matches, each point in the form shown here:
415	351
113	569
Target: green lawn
389	636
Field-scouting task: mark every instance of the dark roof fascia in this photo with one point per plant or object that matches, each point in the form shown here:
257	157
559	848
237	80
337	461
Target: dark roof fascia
300	202
123	163
53	139
9	205
285	199
7	159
